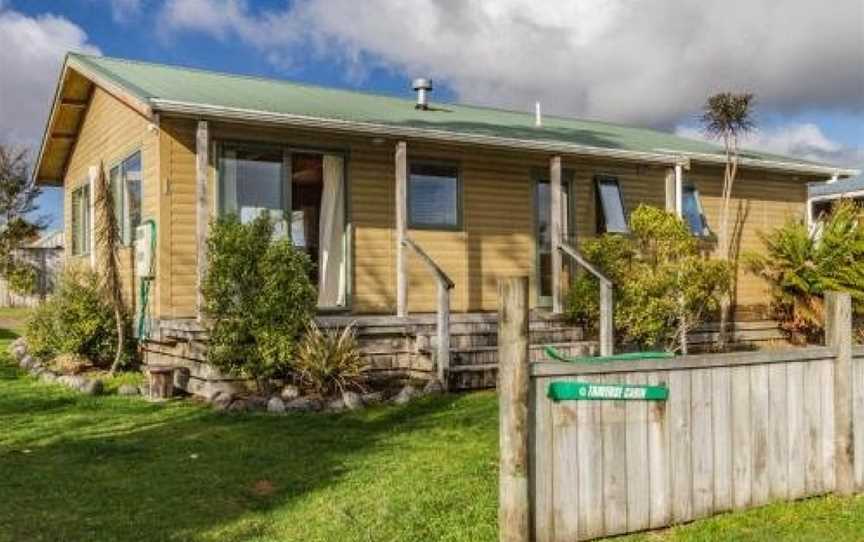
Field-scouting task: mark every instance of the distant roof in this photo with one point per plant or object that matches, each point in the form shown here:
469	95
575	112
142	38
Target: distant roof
845	186
207	94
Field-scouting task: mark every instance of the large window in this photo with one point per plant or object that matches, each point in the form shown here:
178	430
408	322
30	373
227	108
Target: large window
253	181
611	217
434	197
81	220
126	189
692	211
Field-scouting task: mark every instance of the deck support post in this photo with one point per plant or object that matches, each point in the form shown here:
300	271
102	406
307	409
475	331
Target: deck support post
679	190
555	216
671	196
202	164
513	384
442	326
838	336
607	326
401	218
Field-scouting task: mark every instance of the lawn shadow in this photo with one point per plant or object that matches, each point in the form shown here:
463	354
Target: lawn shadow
188	470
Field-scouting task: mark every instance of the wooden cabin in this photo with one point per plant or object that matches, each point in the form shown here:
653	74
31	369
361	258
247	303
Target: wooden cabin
404	206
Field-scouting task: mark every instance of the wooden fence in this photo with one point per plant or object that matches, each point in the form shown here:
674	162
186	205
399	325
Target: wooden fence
47	261
737	431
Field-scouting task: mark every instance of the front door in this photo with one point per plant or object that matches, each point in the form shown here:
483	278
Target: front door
543	237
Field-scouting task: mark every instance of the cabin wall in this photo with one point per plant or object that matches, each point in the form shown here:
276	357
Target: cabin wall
110	133
497	239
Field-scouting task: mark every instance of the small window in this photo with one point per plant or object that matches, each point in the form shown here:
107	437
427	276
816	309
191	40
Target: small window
692	212
611	217
433	197
81	220
125	181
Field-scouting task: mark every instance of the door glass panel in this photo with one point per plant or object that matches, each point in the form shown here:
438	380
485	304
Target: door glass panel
542	213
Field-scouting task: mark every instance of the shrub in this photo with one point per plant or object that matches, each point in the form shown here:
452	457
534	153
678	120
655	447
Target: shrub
258	296
22	278
801	267
77	319
329	360
663	286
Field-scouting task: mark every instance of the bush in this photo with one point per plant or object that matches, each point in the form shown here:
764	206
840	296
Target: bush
77	319
801	267
258	296
663	286
22	278
329	361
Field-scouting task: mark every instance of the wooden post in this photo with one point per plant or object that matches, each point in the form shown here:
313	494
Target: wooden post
679	190
513	380
555	230
443	331
607	328
161	383
671	198
401	219
202	162
838	336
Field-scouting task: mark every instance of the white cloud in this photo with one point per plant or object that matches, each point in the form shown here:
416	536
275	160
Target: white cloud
803	140
31	57
123	10
638	61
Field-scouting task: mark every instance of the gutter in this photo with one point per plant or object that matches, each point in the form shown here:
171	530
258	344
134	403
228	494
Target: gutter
662	156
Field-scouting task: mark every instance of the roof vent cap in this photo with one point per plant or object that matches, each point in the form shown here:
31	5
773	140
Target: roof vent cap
422	86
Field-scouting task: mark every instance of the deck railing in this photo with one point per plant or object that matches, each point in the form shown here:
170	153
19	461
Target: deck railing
442	313
607	330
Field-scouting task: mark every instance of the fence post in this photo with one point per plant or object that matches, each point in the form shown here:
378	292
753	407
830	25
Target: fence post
513	511
838	335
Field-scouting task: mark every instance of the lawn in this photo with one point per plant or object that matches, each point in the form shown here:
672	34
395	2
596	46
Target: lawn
115	468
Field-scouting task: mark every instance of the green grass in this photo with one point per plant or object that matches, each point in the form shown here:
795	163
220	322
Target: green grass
113	468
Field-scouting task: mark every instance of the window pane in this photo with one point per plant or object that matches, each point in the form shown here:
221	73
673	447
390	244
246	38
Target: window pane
81	221
612	206
131	197
692	211
433	196
252	182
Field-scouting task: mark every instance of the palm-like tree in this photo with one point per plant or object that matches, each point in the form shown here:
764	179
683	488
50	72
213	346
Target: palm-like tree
728	116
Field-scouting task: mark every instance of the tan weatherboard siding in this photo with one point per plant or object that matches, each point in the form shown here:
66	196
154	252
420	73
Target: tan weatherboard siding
111	132
497	239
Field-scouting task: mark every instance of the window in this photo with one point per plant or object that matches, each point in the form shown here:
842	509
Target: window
610	216
433	197
81	220
252	182
125	185
692	211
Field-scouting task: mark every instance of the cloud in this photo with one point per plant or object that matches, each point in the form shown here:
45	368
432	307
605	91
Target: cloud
635	61
31	57
804	140
123	10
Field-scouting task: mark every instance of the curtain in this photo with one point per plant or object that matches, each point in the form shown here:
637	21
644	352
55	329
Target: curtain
331	230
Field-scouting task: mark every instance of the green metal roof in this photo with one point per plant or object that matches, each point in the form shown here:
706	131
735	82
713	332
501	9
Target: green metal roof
157	85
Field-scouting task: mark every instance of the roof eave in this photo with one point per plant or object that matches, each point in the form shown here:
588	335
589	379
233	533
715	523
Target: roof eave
661	157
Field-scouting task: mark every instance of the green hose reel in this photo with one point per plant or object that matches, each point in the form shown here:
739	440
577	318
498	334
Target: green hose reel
145	257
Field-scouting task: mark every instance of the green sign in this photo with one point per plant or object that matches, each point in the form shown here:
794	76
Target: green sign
586	391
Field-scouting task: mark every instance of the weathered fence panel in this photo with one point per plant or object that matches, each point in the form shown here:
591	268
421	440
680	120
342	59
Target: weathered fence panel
737	431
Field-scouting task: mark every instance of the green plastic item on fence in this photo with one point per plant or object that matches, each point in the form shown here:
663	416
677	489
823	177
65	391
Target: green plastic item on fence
630	356
589	391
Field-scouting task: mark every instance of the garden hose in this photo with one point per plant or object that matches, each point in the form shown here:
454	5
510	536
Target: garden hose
144	286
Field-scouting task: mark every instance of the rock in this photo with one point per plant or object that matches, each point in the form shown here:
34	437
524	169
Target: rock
257	402
92	386
48	377
352	400
405	395
144	390
222	400
19	351
335	405
433	387
373	398
26	362
127	390
239	405
289	393
276	405
303	404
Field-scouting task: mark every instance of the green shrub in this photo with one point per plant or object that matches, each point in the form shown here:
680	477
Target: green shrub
257	296
329	361
76	319
801	267
22	278
663	286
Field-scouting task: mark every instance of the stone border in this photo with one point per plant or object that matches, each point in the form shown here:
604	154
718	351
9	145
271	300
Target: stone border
36	369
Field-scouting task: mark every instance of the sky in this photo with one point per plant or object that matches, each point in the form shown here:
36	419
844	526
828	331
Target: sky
641	62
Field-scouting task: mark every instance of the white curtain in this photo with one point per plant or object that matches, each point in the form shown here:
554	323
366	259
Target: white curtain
331	268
